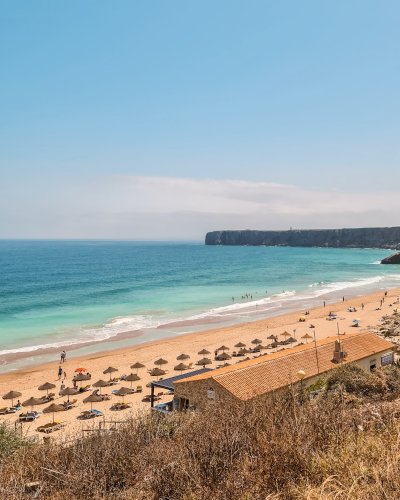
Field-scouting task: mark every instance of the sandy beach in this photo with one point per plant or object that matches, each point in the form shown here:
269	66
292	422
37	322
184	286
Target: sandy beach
27	381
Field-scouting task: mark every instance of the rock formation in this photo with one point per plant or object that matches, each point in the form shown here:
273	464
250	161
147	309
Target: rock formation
370	237
392	259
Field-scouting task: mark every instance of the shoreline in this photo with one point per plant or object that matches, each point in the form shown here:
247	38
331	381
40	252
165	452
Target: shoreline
272	323
267	310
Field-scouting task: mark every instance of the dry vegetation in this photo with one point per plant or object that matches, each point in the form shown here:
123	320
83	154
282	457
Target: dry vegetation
344	444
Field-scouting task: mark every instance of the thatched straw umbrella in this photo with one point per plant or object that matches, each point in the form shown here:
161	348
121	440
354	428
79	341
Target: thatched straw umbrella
123	391
12	395
256	341
110	370
160	362
81	377
100	384
181	367
157	372
224	356
32	402
92	399
272	337
132	378
240	344
306	336
291	340
46	387
136	366
244	351
285	334
203	352
69	391
223	348
204	362
53	408
182	357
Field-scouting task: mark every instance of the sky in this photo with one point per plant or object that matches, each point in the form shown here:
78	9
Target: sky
165	120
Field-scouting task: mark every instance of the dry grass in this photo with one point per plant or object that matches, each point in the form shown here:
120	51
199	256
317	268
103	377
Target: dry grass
325	449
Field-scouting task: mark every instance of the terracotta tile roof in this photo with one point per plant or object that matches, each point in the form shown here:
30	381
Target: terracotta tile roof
266	373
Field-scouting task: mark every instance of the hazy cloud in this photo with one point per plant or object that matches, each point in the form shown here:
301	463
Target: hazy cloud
139	207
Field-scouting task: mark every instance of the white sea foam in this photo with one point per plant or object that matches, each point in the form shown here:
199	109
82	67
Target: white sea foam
124	324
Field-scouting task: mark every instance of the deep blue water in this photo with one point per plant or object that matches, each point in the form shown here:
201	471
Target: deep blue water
56	293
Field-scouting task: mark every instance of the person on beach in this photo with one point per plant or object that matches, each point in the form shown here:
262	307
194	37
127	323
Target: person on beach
65	375
59	372
74	384
324	304
63	356
343	299
62	387
362	307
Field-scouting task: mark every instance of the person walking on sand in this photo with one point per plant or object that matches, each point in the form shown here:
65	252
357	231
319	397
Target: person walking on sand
324	304
62	387
362	307
63	356
343	299
59	372
65	375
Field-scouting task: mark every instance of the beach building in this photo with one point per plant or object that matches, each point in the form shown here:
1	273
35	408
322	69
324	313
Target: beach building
258	377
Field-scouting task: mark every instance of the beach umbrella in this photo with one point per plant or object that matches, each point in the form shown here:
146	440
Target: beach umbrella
92	399
224	356
204	361
80	370
181	367
157	372
32	402
182	357
123	391
12	395
272	337
306	336
46	387
136	366
132	378
240	344
100	383
69	391
285	334
302	318
203	352
110	370
256	341
81	377
291	340
53	408
223	348
244	351
160	362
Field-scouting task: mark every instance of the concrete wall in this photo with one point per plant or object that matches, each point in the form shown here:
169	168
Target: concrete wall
196	391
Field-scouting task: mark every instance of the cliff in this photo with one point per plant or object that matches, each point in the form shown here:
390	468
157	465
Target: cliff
370	237
392	259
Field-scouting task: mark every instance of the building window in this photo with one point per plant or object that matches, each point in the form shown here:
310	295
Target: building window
387	359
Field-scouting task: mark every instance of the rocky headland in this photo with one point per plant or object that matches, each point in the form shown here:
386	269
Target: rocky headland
392	259
369	237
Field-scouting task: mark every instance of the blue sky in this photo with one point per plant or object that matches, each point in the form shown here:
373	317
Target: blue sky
297	93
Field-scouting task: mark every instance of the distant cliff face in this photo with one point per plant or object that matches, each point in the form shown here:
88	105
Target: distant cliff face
392	259
370	237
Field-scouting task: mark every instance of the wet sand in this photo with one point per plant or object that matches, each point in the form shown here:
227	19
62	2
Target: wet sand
27	381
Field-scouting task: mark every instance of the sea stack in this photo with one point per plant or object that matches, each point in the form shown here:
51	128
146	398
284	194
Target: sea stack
392	259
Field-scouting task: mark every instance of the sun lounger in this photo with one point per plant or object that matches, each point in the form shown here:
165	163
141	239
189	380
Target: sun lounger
105	397
190	366
139	388
146	398
51	427
91	414
29	416
70	404
121	406
13	409
3	410
85	388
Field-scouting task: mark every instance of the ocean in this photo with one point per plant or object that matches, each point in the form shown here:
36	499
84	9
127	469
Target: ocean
89	296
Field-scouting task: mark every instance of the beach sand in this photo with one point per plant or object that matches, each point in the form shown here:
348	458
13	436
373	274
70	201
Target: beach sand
27	381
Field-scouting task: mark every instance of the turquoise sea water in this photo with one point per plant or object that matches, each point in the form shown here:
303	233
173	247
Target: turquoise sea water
63	294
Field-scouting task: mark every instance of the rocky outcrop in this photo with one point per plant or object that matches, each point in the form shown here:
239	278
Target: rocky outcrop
369	237
392	259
